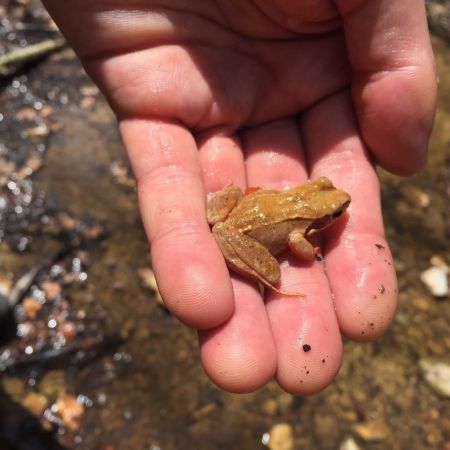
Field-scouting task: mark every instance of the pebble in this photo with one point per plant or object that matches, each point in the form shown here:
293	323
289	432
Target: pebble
349	444
148	280
437	375
31	306
51	289
270	407
436	280
5	286
35	403
14	387
70	410
422	304
373	430
281	437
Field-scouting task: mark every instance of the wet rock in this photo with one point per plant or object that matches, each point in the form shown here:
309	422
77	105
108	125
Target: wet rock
6	169
14	387
51	289
35	403
32	165
31	307
89	90
437	375
69	330
39	131
281	437
436	280
5	286
373	430
121	174
52	383
26	113
70	410
349	444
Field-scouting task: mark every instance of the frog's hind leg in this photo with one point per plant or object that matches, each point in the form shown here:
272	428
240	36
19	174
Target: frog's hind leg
222	203
248	257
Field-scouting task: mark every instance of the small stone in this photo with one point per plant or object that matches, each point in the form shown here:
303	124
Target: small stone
14	387
438	261
94	232
51	289
148	279
5	286
67	222
69	330
349	444
436	280
32	165
416	196
40	130
26	113
373	430
281	437
70	410
437	375
422	304
284	402
35	403
31	306
350	416
89	90
87	102
52	383
46	111
270	407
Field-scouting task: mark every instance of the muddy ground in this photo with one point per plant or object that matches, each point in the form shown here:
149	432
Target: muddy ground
126	374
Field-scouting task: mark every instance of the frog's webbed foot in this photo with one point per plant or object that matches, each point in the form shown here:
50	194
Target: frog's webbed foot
222	203
248	257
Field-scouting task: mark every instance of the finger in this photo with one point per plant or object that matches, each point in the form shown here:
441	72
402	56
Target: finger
305	330
358	262
189	268
394	81
221	161
239	356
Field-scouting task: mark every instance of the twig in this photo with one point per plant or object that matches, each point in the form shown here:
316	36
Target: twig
13	60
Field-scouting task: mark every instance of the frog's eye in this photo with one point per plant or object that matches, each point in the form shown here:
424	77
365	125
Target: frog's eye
337	214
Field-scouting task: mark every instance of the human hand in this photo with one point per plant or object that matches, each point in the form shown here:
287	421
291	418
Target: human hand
266	94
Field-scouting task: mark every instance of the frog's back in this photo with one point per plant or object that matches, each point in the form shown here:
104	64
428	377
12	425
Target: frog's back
264	208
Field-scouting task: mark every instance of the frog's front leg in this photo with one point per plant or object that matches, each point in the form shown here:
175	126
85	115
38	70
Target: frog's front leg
246	256
222	203
300	246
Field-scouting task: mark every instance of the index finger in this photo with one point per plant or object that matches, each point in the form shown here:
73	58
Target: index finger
190	270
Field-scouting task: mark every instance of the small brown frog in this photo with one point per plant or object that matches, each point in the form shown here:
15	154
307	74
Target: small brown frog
251	229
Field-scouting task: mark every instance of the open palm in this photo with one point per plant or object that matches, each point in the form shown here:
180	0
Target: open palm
266	94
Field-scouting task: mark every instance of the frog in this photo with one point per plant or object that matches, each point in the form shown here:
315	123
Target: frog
252	228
